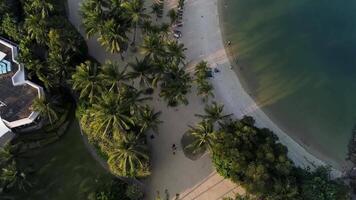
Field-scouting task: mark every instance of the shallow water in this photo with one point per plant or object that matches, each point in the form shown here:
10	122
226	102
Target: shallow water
297	58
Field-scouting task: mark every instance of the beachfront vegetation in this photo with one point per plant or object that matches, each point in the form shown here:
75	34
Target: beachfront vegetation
214	112
253	158
114	116
201	73
112	21
116	189
46	108
11	175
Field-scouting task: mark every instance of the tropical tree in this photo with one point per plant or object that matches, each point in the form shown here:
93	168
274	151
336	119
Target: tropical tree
112	114
109	20
181	4
92	15
5	154
143	70
175	51
136	13
173	15
253	158
201	70
203	136
205	89
113	36
129	156
152	46
112	76
43	7
45	108
87	82
318	185
36	28
213	113
175	85
157	9
11	177
148	119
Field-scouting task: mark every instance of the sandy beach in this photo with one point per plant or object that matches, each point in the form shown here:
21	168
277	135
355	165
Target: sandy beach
202	37
177	174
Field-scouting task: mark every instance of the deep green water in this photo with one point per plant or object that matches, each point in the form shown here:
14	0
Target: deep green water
64	170
298	60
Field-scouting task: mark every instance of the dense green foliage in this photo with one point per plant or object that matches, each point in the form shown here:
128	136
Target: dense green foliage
49	45
117	190
112	21
114	116
318	185
253	158
11	176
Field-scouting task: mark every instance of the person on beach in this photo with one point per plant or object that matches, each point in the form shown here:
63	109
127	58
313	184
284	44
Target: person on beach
174	148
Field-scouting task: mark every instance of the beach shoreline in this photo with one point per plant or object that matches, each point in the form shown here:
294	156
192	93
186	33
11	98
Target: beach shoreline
238	65
227	84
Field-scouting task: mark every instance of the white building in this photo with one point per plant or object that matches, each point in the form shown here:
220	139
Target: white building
16	93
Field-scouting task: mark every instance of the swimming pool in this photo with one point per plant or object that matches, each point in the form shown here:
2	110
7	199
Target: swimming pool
5	67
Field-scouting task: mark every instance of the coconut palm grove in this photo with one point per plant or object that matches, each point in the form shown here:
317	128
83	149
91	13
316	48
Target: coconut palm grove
109	112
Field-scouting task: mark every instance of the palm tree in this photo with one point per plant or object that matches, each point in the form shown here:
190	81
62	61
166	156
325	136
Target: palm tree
112	77
175	51
113	36
39	6
213	113
201	70
11	177
142	70
5	154
205	89
204	136
112	114
173	15
45	109
180	4
175	85
36	28
157	9
136	13
87	82
129	156
92	17
148	119
152	46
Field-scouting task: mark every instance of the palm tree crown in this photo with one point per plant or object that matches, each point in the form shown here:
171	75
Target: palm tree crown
203	134
130	155
213	113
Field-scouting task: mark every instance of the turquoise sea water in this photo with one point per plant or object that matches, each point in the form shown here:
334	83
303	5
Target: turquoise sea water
297	58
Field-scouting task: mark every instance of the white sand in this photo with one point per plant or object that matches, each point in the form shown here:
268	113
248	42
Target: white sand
176	173
203	39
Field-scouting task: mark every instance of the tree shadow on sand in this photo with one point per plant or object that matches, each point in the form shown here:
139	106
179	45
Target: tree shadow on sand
189	152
